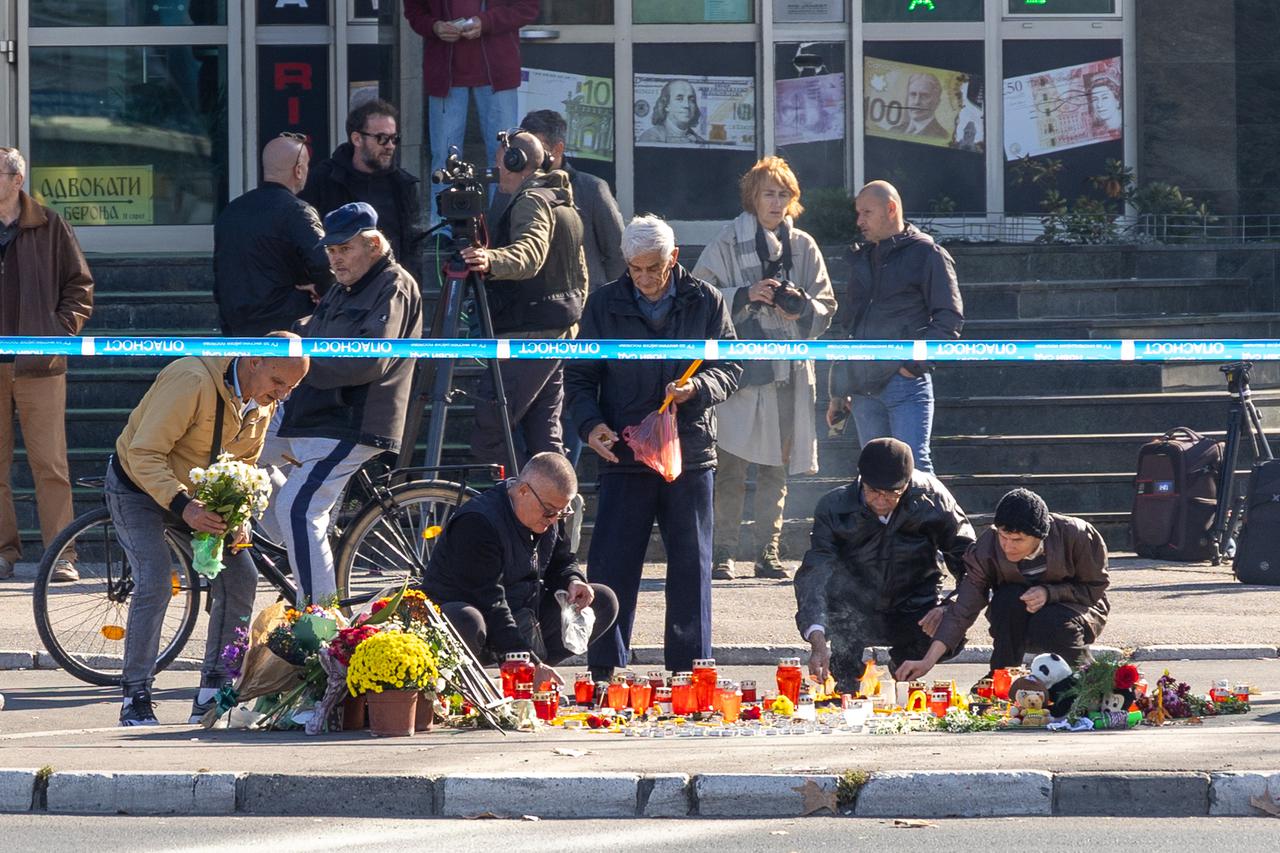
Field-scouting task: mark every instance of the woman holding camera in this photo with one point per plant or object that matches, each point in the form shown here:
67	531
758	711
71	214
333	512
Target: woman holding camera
775	282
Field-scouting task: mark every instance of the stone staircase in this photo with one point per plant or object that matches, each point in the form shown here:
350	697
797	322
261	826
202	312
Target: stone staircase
1069	431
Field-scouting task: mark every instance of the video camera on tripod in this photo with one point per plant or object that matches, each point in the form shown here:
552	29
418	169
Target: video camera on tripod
463	201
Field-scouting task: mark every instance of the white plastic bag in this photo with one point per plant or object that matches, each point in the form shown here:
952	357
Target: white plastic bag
575	624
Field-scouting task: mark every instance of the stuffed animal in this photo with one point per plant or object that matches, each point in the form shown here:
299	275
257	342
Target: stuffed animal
1058	680
1028	703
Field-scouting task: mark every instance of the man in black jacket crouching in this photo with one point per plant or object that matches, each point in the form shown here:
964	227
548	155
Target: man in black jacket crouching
501	560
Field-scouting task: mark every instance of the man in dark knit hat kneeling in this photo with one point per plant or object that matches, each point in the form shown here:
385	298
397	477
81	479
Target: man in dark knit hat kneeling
1046	577
873	571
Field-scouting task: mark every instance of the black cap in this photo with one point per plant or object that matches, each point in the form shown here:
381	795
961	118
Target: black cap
1023	511
347	221
886	464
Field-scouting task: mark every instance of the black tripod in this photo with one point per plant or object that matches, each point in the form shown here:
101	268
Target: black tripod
437	373
1242	418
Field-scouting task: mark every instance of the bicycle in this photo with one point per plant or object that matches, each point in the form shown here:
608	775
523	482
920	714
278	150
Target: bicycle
390	538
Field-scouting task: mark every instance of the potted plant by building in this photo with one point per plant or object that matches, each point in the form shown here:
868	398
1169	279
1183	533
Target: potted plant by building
390	669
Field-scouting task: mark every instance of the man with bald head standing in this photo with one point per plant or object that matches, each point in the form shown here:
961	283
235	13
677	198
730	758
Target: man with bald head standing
902	286
268	265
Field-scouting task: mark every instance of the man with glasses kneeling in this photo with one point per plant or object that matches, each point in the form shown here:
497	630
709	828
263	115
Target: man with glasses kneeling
502	558
873	572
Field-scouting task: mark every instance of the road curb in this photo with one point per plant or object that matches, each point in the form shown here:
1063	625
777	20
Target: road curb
925	793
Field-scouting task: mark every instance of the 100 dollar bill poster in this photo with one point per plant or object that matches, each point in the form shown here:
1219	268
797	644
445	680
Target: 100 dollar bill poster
675	111
1062	108
585	102
921	104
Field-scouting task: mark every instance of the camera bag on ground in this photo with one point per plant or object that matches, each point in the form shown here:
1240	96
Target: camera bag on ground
1175	499
1258	548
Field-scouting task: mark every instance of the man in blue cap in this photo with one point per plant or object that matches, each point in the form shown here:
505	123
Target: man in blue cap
349	410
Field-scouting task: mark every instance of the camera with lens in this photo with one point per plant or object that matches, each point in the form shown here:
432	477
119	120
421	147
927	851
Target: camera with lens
464	198
790	298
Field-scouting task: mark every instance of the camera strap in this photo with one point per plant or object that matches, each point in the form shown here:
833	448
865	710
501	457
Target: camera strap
769	266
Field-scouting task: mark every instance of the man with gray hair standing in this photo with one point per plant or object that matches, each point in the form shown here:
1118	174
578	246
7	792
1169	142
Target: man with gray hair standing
45	289
655	299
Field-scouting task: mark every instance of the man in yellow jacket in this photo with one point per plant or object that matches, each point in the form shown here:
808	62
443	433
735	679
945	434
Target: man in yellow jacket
196	409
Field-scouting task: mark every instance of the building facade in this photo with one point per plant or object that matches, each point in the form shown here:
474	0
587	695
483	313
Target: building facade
151	112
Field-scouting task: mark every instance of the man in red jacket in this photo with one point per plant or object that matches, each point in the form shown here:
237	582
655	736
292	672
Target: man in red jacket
469	47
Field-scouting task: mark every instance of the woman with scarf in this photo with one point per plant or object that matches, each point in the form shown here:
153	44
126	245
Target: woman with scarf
775	282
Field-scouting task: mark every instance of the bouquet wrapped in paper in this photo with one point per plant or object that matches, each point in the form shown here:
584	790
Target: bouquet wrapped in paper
235	490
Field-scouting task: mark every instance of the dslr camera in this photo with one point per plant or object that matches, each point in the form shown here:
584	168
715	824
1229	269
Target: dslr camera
789	297
464	198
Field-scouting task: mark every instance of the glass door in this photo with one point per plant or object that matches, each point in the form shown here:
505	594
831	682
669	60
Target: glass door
124	110
8	76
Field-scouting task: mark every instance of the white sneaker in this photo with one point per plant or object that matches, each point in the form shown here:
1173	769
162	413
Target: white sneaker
64	571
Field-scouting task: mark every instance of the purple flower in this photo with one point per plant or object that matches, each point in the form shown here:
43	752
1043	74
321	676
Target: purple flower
233	653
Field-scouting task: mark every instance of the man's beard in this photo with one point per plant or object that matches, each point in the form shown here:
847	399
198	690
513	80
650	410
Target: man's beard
374	164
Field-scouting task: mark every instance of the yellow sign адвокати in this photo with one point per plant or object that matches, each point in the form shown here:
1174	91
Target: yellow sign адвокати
96	195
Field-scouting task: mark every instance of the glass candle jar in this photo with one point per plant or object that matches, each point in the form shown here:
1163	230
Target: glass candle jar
704	682
517	668
1000	682
641	697
619	692
584	689
789	678
731	703
749	691
662	700
657	678
523	690
683	700
544	704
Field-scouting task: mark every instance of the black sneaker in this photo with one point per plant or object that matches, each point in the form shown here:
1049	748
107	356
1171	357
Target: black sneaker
139	711
199	709
769	566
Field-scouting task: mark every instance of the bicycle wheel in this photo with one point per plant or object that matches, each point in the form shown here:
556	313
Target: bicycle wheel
83	624
382	547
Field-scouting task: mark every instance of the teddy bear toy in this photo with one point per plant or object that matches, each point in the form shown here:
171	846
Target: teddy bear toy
1028	703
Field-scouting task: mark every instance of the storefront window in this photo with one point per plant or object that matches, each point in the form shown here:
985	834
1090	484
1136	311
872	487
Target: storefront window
692	11
927	11
809	115
575	80
1062	7
369	74
1062	109
695	128
128	13
808	11
575	12
130	135
923	109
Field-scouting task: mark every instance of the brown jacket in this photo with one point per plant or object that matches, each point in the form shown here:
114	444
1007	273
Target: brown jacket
171	430
1075	576
45	285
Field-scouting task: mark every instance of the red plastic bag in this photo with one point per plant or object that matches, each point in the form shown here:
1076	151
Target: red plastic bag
656	442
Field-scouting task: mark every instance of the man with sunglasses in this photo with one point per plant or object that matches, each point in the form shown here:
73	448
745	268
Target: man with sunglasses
873	572
364	169
268	265
502	558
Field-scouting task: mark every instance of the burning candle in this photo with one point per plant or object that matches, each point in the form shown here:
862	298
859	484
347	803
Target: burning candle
544	704
731	703
1241	692
641	697
683	700
704	682
940	698
516	668
584	689
789	678
723	686
1000	682
619	693
662	699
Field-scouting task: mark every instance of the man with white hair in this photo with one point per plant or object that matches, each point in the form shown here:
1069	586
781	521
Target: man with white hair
348	410
655	299
45	289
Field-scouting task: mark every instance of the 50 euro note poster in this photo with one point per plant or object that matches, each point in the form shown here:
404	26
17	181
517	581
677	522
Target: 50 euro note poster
922	104
1062	108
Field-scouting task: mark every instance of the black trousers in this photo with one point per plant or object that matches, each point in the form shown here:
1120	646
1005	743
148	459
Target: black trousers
899	630
1053	628
535	396
547	641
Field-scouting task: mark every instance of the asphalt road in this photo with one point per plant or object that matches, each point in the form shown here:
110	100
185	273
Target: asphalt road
52	834
1151	603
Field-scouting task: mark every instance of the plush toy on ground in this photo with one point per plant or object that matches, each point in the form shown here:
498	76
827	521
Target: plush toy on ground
1029	700
1058	680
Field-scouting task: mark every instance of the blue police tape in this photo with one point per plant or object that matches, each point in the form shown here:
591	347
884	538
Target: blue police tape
974	351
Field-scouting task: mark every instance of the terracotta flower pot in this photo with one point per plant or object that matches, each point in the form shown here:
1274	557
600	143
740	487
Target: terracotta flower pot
392	712
426	716
353	713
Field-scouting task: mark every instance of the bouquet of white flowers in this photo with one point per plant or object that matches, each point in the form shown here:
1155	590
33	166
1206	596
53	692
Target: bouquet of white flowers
234	490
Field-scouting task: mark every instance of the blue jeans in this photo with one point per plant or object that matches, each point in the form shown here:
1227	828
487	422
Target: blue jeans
903	410
447	120
628	504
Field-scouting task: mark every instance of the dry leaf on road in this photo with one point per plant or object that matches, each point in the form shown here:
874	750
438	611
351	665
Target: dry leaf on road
909	823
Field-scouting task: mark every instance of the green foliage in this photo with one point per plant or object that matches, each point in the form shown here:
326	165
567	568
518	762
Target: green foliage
829	216
849	785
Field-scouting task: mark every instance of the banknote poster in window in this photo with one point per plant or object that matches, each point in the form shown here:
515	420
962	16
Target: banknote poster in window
809	116
924	118
586	102
676	111
922	104
1062	108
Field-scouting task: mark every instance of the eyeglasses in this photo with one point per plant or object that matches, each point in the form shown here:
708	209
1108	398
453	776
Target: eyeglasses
884	493
382	138
301	139
548	512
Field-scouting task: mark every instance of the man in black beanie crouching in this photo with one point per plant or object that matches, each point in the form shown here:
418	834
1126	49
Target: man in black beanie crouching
1046	576
872	574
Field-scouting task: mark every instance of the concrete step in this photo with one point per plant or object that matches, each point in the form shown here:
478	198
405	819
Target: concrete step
990	300
159	272
962	379
150	309
1183	326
